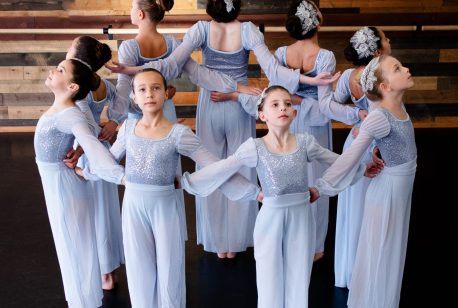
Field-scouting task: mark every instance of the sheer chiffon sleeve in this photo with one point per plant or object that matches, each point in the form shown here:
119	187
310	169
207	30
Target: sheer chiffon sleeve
347	169
234	186
101	161
206	180
332	109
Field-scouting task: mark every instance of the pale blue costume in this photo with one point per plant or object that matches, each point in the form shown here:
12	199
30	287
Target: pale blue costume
284	235
318	125
151	219
129	54
380	256
224	225
350	203
313	117
70	203
107	209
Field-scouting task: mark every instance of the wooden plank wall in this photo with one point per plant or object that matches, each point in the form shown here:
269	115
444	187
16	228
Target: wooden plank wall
432	56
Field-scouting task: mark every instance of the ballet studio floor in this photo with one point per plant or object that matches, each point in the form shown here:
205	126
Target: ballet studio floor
30	276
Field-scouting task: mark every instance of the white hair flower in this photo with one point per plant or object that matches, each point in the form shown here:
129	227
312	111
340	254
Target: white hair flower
364	41
308	16
229	5
261	97
368	78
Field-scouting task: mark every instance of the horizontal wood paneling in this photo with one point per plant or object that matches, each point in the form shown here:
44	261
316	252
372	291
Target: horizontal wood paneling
432	56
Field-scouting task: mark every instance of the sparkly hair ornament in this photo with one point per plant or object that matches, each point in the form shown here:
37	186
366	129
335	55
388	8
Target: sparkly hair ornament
261	97
368	75
83	62
229	5
364	41
308	16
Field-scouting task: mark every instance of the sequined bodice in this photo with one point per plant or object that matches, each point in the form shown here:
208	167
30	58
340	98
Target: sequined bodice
234	64
398	147
51	144
308	90
282	174
150	161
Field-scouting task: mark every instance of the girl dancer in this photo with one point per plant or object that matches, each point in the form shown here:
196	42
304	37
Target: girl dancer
68	199
365	44
284	235
153	241
380	256
107	210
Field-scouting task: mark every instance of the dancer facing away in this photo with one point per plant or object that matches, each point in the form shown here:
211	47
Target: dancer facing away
225	44
380	256
284	235
106	199
364	45
153	241
69	200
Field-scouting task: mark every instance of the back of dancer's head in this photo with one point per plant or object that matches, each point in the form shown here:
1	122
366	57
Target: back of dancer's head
363	45
303	19
223	10
91	51
155	8
148	70
265	93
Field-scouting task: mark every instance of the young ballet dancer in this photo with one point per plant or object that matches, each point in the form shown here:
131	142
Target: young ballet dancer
379	264
225	44
153	241
107	208
284	235
364	45
69	199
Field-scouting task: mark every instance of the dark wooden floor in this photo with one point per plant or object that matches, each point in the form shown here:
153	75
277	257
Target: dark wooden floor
29	273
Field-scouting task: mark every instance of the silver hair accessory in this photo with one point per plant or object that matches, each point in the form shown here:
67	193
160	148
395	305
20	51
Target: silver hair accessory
364	42
368	77
308	16
229	5
83	62
261	97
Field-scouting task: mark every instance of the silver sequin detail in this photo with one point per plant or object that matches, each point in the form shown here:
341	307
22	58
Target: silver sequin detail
399	146
151	161
51	145
234	64
282	174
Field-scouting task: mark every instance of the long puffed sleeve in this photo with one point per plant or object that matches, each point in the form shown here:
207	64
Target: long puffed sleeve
347	168
118	149
236	188
117	108
206	180
342	92
209	79
86	110
330	108
171	66
316	152
126	55
249	104
253	39
101	161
